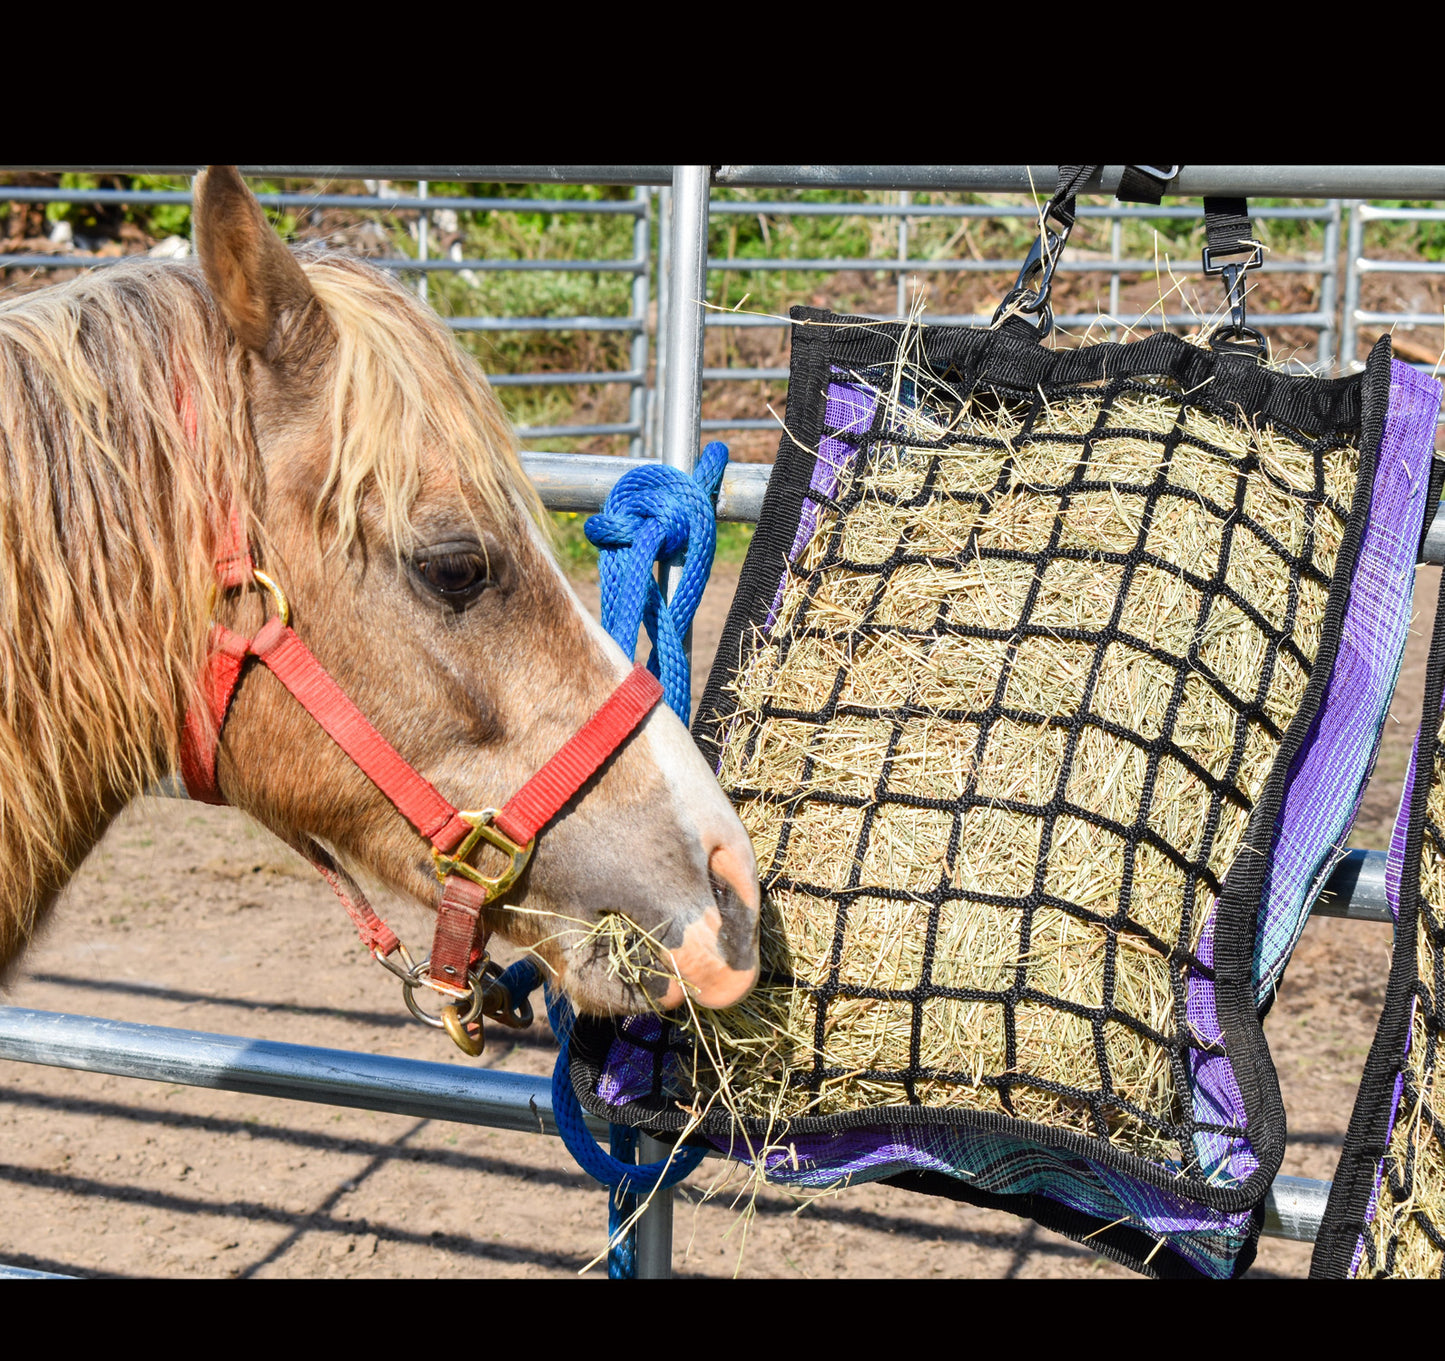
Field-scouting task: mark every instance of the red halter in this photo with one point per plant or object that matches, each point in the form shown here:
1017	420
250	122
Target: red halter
458	966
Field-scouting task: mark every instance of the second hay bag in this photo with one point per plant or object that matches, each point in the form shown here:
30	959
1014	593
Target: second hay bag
1386	1211
1047	696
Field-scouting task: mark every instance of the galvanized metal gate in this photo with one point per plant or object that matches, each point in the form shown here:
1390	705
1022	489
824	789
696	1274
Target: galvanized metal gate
665	423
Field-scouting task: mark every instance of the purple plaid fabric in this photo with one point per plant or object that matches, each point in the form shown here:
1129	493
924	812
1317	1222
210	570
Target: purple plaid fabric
1328	777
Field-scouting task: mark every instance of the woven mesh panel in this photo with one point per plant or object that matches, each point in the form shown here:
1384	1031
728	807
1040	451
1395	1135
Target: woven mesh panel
1001	744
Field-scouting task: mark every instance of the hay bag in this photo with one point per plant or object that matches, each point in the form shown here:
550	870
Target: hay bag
1386	1213
1034	701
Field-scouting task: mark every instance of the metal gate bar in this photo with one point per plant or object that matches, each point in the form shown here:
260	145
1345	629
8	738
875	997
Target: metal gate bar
1194	181
681	435
1358	264
637	427
638	264
436	1091
332	1077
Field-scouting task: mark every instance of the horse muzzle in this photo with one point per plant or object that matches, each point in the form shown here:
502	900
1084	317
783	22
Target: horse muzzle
717	959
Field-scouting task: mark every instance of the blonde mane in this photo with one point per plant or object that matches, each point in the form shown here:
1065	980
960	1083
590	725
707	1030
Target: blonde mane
110	506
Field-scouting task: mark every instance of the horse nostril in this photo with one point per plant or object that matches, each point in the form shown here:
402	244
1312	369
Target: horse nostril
722	892
732	880
735	891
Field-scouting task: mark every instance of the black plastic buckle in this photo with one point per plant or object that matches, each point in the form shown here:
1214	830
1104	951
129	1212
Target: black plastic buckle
1233	272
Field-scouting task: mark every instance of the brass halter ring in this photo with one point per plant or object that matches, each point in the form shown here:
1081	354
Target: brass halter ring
452	1018
418	977
283	606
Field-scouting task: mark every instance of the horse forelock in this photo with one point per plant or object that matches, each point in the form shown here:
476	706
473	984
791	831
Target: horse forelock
404	400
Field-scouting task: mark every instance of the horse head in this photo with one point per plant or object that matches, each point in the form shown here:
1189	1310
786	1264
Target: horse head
387	500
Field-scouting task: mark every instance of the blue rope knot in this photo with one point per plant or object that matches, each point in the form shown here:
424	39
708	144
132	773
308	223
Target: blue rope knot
658	512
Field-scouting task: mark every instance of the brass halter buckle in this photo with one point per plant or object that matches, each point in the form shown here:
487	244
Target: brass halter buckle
482	830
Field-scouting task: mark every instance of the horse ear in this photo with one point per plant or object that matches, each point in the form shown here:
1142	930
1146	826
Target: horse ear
262	290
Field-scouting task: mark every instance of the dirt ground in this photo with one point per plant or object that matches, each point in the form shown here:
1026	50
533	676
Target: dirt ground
190	916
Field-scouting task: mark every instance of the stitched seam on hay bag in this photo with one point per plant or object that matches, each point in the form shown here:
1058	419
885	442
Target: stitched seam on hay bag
1053	627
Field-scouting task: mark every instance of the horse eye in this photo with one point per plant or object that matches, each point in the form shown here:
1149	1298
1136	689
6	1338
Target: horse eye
455	576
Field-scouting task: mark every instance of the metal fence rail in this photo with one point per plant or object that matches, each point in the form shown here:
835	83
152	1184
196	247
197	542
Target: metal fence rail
1359	265
574	482
1194	181
642	427
1338	328
638	264
340	1077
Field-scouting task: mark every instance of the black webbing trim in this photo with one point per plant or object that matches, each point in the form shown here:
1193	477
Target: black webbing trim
767	553
1313	405
1432	500
1226	224
1366	1140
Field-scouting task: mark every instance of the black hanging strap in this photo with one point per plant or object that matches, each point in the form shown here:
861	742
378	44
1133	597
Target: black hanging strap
1226	224
1071	179
1029	297
1145	183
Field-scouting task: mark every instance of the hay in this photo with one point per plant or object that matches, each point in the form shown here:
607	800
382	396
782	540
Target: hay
1410	1212
877	693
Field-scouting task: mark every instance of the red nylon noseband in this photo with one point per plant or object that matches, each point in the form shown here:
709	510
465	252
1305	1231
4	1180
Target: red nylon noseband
451	968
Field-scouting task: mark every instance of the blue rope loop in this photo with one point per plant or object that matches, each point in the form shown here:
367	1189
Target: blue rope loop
621	1205
591	1157
656	512
520	980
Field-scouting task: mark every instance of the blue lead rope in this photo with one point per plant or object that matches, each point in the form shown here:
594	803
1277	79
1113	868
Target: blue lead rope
652	513
658	513
619	1174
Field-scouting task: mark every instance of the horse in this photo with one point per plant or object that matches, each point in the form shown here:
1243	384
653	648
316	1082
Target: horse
307	403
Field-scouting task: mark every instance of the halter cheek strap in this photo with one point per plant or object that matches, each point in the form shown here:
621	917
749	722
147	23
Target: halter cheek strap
453	834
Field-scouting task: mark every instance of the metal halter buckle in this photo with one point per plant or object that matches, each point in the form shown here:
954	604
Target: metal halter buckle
482	830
